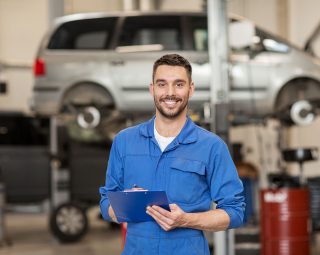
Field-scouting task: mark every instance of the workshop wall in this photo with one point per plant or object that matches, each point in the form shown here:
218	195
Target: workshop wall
76	6
303	18
263	13
22	24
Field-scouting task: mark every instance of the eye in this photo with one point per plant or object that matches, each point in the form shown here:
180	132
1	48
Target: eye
161	84
180	84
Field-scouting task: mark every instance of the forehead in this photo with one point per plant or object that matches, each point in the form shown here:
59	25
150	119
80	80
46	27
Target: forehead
170	72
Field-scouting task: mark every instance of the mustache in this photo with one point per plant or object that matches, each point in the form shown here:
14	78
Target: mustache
173	98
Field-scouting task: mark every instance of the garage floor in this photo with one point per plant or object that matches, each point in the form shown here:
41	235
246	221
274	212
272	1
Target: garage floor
29	235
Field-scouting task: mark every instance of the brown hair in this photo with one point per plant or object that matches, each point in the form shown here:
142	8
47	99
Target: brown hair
172	60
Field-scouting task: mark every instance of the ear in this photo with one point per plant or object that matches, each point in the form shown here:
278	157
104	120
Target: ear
191	89
151	88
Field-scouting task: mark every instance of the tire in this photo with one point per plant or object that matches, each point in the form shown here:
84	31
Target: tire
69	223
95	124
90	113
297	101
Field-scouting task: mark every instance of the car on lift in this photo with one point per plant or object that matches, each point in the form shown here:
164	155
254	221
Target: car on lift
98	67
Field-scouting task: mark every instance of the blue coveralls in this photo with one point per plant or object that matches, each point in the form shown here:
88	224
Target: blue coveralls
195	169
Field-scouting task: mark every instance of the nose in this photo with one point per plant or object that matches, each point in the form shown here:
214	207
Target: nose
171	90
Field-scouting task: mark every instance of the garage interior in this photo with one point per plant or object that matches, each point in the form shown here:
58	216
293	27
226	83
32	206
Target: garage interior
52	165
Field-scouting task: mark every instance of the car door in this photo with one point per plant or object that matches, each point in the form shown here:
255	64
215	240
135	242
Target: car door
141	41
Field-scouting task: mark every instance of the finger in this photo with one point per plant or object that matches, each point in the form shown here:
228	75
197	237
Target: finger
164	226
152	213
156	211
133	189
161	223
158	215
161	210
139	189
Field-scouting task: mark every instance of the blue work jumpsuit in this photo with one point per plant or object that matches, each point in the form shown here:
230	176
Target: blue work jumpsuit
195	169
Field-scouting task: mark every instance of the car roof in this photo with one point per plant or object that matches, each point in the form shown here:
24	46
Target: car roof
95	15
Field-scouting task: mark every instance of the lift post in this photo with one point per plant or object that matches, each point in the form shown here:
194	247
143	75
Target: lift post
59	193
219	94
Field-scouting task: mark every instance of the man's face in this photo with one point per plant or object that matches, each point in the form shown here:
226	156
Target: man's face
171	90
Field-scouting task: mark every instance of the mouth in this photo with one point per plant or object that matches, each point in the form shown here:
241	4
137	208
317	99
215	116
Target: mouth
170	101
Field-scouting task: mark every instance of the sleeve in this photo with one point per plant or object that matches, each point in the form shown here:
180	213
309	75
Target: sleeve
226	186
114	178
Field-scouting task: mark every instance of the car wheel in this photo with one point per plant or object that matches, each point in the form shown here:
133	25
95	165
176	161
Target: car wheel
298	101
90	114
95	124
302	113
68	222
89	117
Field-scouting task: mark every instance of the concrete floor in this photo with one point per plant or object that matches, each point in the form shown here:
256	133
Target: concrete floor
29	235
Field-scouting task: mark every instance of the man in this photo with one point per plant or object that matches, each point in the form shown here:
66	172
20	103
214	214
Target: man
171	153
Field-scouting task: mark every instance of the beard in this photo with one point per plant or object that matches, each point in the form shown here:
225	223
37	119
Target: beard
171	113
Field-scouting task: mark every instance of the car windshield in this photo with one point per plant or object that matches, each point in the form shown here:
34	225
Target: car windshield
261	41
270	42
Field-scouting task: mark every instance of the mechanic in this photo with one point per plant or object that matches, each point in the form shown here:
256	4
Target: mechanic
170	152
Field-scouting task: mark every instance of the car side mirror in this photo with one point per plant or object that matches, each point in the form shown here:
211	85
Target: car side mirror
241	34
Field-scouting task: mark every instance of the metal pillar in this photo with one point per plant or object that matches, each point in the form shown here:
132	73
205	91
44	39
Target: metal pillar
130	5
55	9
54	161
148	5
219	94
59	193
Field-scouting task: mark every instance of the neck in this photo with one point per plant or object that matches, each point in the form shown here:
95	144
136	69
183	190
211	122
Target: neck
169	127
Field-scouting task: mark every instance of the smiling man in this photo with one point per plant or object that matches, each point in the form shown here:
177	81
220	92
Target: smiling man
171	153
171	90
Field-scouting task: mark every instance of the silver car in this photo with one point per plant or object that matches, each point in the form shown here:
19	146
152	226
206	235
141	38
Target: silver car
98	67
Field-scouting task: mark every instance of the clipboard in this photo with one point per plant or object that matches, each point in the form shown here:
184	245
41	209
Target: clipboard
130	206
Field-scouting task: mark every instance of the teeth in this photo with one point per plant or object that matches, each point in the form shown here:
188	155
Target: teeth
170	102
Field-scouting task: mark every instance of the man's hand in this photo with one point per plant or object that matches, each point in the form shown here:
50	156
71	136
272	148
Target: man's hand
112	214
166	219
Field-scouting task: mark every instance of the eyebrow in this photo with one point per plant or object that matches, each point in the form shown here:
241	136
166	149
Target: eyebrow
160	80
177	80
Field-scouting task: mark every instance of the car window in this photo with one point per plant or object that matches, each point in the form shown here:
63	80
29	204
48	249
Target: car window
199	33
88	34
91	40
152	30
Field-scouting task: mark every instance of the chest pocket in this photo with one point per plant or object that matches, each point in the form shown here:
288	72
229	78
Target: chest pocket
187	183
